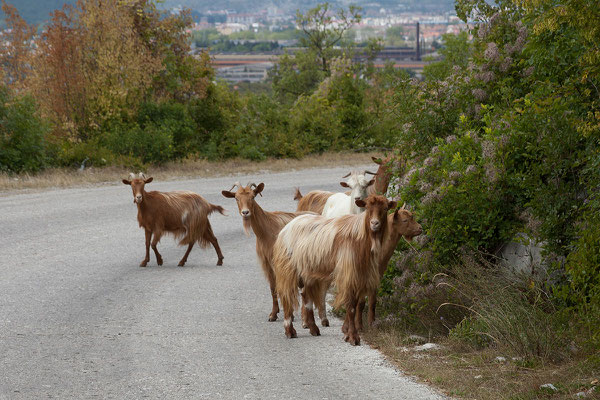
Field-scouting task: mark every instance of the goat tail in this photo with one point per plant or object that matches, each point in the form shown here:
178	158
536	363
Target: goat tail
286	277
297	194
213	207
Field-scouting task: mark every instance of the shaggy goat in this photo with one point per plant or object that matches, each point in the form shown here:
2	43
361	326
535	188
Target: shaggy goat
316	250
183	214
266	225
340	204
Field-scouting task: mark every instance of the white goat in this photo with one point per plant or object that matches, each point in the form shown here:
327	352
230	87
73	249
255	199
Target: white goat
340	204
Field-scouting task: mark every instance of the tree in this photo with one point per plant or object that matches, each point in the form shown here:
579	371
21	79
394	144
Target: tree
15	48
323	30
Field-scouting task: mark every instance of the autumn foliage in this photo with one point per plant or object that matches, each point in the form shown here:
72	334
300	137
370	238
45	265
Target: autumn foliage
98	61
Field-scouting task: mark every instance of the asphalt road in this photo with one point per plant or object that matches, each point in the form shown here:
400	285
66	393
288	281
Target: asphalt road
79	319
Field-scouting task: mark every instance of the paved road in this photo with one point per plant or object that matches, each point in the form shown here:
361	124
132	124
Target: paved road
79	319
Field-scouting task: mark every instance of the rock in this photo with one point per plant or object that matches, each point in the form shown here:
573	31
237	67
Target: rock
478	376
428	346
417	339
581	394
549	386
500	359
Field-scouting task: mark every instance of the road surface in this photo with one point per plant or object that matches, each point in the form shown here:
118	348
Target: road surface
80	320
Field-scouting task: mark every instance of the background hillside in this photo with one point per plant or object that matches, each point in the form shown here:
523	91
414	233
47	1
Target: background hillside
37	11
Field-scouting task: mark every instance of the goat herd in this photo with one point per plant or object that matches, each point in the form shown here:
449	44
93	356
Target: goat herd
342	238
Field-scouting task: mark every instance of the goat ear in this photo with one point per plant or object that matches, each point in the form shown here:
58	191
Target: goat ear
259	188
361	203
372	181
126	182
148	180
344	184
392	204
227	193
377	160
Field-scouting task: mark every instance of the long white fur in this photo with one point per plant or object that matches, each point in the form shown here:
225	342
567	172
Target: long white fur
340	204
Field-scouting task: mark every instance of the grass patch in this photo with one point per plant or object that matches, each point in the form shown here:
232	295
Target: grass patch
66	177
475	374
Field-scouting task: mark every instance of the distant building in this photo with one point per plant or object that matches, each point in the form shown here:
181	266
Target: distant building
245	73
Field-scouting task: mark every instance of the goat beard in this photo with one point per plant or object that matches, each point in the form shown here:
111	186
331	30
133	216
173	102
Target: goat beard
247	225
376	240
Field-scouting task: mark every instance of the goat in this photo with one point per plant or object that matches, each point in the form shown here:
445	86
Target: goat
316	250
183	214
313	201
339	204
401	223
382	176
266	225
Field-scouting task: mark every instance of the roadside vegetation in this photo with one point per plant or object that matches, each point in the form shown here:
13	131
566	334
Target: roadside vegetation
499	142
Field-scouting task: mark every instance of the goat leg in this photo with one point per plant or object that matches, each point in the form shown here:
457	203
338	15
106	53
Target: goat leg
147	258
185	256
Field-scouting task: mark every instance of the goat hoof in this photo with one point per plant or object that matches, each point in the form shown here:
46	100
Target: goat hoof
159	261
220	262
304	325
354	340
143	263
344	329
325	322
290	332
181	264
314	330
272	318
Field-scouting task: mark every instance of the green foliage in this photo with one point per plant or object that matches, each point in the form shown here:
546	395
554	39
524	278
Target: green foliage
22	134
151	142
455	53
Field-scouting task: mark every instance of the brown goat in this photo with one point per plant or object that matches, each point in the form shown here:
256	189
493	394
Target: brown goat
382	176
401	223
182	214
317	250
265	225
313	201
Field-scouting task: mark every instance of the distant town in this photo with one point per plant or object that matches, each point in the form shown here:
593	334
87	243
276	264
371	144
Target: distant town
244	46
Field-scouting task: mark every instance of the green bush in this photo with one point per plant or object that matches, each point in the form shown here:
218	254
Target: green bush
22	134
151	144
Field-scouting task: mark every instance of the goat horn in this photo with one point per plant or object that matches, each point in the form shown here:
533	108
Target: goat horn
131	175
404	206
234	185
369	172
347	175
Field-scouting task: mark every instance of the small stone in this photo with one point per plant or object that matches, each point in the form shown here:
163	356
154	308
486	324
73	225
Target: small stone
581	394
427	346
549	386
517	358
478	376
417	339
500	359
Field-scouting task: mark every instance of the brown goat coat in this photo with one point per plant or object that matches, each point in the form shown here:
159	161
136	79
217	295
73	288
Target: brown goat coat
382	177
266	226
181	213
313	201
319	250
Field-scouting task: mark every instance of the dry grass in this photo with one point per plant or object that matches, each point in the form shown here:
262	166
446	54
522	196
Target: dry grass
62	177
475	374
